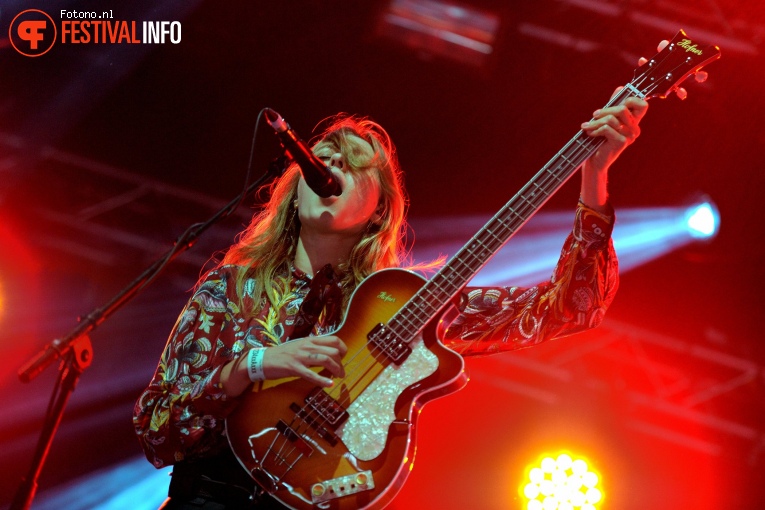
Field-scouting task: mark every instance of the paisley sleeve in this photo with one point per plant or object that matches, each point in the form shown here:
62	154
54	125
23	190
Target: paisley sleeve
575	299
180	415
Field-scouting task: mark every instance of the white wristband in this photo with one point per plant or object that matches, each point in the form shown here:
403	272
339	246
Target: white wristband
255	364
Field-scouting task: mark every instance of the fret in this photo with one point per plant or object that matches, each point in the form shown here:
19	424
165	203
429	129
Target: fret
471	261
568	162
495	239
465	255
575	152
565	166
477	248
545	191
503	224
402	323
499	231
580	142
436	293
429	293
529	202
516	214
461	261
581	148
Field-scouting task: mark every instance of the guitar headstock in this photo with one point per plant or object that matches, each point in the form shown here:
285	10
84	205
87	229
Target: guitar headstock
663	74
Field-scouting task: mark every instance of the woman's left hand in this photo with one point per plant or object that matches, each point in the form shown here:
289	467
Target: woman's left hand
619	125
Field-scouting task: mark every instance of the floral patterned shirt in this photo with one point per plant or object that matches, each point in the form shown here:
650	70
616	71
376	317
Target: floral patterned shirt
180	416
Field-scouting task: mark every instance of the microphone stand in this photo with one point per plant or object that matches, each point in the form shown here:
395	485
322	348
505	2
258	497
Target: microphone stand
76	351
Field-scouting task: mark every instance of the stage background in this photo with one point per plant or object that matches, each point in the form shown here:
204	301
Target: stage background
108	151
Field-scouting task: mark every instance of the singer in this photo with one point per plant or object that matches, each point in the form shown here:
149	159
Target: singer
269	309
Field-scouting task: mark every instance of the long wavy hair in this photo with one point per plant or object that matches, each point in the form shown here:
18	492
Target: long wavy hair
267	246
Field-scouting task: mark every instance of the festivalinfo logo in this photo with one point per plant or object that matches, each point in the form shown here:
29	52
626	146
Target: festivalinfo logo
34	32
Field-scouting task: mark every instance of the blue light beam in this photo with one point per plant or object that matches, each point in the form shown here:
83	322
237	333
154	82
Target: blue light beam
640	235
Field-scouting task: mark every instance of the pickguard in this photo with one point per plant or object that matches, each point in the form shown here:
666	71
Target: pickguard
366	430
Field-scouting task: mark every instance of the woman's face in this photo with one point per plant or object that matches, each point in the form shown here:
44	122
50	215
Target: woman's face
350	212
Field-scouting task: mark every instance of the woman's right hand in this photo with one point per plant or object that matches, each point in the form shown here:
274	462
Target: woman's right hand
293	358
296	357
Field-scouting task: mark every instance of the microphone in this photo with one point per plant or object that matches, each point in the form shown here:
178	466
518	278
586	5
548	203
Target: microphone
316	174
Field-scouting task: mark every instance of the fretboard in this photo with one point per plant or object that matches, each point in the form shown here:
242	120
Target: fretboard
454	275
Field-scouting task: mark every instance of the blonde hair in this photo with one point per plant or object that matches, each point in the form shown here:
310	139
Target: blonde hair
267	246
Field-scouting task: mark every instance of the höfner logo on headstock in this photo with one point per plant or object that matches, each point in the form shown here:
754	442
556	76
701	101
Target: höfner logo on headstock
689	46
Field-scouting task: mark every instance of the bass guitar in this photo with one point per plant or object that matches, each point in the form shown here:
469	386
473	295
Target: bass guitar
352	446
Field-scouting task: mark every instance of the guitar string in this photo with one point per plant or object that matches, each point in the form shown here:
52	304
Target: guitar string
279	456
270	451
318	416
313	420
501	218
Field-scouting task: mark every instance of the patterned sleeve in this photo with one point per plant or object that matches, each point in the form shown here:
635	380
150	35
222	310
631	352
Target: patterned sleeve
575	299
180	415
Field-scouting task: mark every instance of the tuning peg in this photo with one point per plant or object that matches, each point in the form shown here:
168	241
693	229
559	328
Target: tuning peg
681	93
701	76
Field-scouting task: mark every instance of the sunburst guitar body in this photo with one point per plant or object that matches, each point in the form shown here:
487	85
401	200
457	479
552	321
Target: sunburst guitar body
350	446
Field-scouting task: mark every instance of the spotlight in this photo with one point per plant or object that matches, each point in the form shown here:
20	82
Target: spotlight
561	483
702	220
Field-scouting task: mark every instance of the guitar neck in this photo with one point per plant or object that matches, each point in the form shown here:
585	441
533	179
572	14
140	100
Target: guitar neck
453	276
